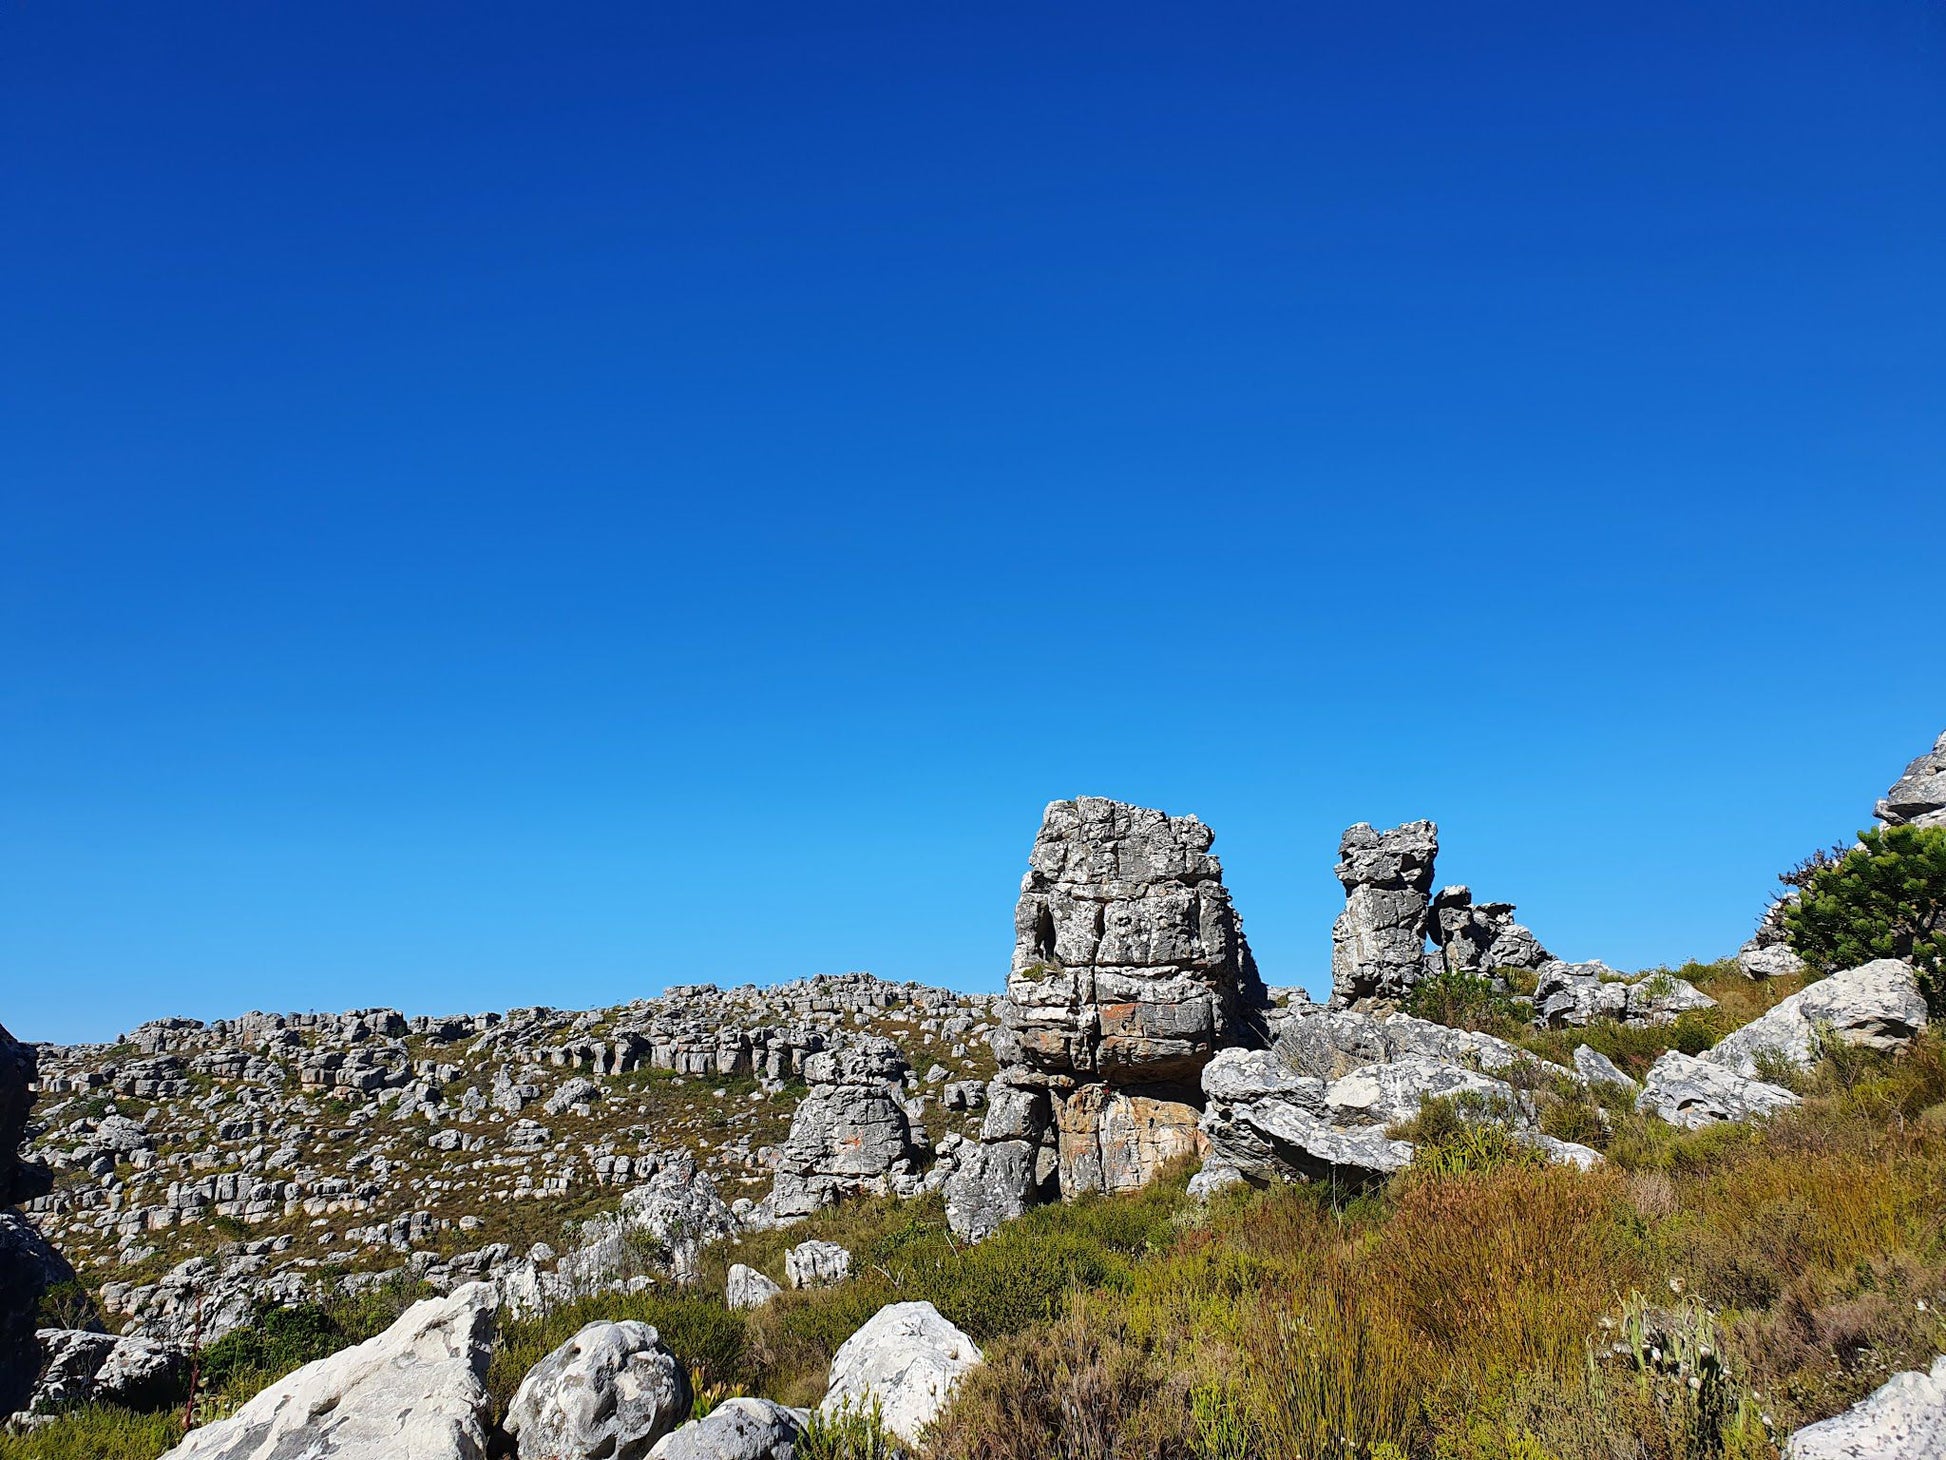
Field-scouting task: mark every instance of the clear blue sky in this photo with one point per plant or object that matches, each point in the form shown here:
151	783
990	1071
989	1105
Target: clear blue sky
530	504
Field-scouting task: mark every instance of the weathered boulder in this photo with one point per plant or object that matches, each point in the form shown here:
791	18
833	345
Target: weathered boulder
1904	1419
612	1390
84	1367
1112	1139
737	1429
1328	1043
1692	1092
816	1265
850	1134
1482	937
1383	1094
1596	1068
677	1208
1378	944
1576	994
1265	1122
994	1182
1768	954
907	1360
745	1287
417	1389
1874	1006
1918	798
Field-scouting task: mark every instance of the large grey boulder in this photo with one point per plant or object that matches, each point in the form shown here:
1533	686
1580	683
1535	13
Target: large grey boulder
1918	798
1378	944
994	1182
1384	1094
737	1429
1569	995
850	1135
611	1391
1692	1092
1328	1043
1905	1419
84	1367
1874	1006
417	1389
907	1360
1593	1067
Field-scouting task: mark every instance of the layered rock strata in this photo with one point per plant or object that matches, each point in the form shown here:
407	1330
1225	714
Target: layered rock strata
1378	944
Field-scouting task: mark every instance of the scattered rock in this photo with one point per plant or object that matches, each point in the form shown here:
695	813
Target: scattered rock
1577	994
737	1429
417	1389
748	1288
1596	1068
1905	1419
906	1359
84	1367
1482	938
1693	1092
816	1265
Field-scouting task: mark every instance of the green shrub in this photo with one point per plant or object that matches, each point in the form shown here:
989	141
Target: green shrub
1886	898
1462	1000
100	1432
278	1339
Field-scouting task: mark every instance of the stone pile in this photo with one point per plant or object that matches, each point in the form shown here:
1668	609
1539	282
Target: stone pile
851	1134
1130	971
1918	798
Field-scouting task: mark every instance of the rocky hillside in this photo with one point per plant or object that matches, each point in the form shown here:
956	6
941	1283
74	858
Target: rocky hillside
1482	1204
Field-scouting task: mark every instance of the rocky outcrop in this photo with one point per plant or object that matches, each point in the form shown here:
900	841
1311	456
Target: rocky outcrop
907	1360
612	1390
1571	995
1905	1419
677	1209
1130	971
1768	954
1378	944
1266	1123
1692	1092
851	1134
1918	798
1481	938
737	1429
1874	1006
417	1389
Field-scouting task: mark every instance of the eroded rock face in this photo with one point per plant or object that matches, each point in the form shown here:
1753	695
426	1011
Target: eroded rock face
816	1265
1918	798
1905	1419
850	1135
417	1389
29	1265
1130	971
1378	944
1129	962
82	1367
1874	1006
612	1390
908	1360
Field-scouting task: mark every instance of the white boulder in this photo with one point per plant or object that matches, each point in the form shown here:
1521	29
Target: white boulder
1904	1420
1874	1006
907	1360
612	1390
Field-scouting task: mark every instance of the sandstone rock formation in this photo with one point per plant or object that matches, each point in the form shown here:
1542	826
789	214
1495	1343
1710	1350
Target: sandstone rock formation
1918	798
737	1429
417	1389
1378	944
1904	1419
1874	1006
612	1390
1130	971
906	1359
1481	938
851	1134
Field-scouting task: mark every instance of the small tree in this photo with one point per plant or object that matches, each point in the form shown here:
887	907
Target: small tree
1885	898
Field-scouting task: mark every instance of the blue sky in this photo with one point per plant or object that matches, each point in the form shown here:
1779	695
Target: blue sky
531	504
